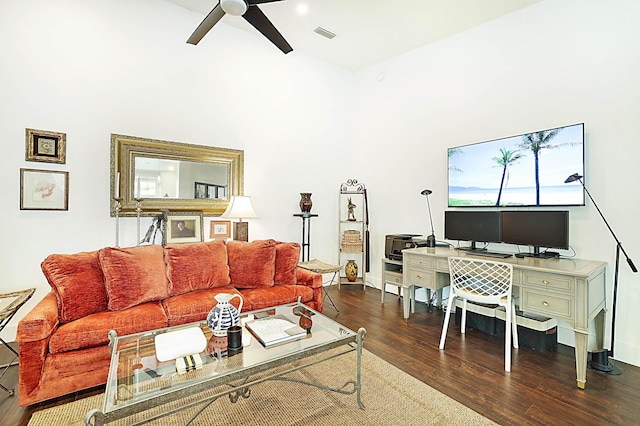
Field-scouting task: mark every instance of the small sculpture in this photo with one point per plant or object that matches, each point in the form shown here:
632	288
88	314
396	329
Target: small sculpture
351	207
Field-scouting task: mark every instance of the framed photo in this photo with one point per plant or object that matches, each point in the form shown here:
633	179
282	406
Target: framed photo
44	190
45	146
220	229
183	227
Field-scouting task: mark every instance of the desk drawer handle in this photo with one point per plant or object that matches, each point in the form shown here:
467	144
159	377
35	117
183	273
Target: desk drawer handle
545	303
545	281
419	276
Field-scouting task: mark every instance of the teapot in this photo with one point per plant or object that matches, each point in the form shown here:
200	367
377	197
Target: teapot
224	315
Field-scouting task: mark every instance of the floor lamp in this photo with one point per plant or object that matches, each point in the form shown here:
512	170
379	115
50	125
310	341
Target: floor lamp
600	358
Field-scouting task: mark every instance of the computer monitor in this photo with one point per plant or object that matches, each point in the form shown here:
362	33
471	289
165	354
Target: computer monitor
540	229
473	226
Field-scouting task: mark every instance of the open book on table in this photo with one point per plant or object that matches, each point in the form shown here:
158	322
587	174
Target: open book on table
275	330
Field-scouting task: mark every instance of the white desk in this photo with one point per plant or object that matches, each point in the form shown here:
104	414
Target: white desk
571	290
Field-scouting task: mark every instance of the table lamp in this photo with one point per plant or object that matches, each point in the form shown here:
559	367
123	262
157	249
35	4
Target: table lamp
431	239
240	208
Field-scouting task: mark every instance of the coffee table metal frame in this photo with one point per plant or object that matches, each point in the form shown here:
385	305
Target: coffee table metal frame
325	334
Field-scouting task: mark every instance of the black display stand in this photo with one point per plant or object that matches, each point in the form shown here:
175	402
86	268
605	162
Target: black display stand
306	233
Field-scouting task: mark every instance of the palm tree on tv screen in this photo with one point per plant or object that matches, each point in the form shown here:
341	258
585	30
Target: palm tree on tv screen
506	158
536	142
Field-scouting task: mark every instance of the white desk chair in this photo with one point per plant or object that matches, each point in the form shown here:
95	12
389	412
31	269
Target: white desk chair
483	281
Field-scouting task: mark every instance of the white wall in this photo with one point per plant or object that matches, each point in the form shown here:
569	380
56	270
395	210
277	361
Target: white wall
122	66
551	64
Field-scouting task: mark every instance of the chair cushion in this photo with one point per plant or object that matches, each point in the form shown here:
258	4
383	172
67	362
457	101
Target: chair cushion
78	283
133	275
287	258
93	330
196	266
195	306
252	265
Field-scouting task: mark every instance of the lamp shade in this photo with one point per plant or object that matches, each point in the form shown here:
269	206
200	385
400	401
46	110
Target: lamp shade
240	208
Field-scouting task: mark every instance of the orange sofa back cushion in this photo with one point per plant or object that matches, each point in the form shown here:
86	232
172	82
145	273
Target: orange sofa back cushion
252	265
78	283
134	275
196	266
287	257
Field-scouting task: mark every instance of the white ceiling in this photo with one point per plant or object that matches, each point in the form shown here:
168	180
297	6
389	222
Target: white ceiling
368	31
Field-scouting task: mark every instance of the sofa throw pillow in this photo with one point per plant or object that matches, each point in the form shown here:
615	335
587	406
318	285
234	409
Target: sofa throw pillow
252	265
287	257
196	266
78	283
133	275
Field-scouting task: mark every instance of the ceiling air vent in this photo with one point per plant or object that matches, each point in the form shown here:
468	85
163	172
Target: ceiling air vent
325	33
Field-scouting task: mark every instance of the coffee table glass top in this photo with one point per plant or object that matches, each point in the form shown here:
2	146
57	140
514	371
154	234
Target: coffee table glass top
136	375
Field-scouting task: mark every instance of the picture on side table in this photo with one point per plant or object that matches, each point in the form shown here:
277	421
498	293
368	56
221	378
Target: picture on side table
44	190
220	229
45	146
183	227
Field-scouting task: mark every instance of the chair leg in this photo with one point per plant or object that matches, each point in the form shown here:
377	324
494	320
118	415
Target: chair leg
463	322
514	325
507	341
445	326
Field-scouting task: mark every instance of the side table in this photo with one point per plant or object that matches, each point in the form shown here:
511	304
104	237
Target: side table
322	268
15	301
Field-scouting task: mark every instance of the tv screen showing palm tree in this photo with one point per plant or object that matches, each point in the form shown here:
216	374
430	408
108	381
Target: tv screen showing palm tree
524	170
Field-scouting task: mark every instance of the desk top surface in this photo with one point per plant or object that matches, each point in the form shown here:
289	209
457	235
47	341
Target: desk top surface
561	265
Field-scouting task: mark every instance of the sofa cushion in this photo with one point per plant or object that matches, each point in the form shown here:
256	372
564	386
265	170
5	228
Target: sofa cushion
134	275
93	330
78	283
259	298
252	265
195	306
196	266
287	257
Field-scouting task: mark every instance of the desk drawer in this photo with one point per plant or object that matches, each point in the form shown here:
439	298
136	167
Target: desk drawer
392	277
555	282
552	305
422	278
422	262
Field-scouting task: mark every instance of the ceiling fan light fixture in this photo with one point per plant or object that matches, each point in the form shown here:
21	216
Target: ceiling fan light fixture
234	7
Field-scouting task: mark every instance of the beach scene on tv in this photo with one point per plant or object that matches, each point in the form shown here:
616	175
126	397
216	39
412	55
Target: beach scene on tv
524	170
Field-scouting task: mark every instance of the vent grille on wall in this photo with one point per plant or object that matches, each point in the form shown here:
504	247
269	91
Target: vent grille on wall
325	33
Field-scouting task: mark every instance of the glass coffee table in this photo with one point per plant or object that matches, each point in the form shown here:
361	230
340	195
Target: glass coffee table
138	381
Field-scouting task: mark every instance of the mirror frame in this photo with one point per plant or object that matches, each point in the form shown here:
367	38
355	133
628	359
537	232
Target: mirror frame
124	150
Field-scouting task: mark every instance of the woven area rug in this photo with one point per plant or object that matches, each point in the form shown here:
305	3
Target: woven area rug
390	396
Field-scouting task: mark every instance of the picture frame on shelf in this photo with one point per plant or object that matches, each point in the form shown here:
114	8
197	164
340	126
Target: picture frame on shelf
44	189
183	227
45	146
220	229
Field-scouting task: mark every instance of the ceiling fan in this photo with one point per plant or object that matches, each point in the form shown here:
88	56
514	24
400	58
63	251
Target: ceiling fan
250	11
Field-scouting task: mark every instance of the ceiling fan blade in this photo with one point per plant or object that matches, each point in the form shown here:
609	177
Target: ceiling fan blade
212	18
255	17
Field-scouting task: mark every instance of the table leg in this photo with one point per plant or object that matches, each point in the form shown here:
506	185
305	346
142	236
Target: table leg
581	357
406	300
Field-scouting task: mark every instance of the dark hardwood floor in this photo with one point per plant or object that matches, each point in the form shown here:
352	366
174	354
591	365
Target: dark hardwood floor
540	390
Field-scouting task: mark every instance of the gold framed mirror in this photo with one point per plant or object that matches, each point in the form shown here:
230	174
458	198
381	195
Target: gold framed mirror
173	176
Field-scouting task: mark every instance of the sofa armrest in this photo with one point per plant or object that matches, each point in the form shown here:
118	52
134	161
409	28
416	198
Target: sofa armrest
308	278
40	322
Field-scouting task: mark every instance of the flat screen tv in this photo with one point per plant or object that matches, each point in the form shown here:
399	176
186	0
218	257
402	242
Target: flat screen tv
473	226
523	170
536	228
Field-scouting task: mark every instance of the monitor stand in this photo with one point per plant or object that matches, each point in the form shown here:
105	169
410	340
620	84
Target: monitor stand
471	248
539	254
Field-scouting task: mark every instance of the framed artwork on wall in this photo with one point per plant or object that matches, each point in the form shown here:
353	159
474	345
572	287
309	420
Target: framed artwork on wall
45	146
183	227
220	229
44	190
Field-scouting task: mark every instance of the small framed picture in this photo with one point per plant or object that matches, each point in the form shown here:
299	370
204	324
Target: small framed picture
45	146
220	229
183	227
44	190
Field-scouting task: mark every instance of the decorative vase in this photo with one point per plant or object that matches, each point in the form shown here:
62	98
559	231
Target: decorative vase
351	270
305	202
224	314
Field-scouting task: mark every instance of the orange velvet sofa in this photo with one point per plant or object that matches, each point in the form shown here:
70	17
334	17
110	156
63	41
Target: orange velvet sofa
63	341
